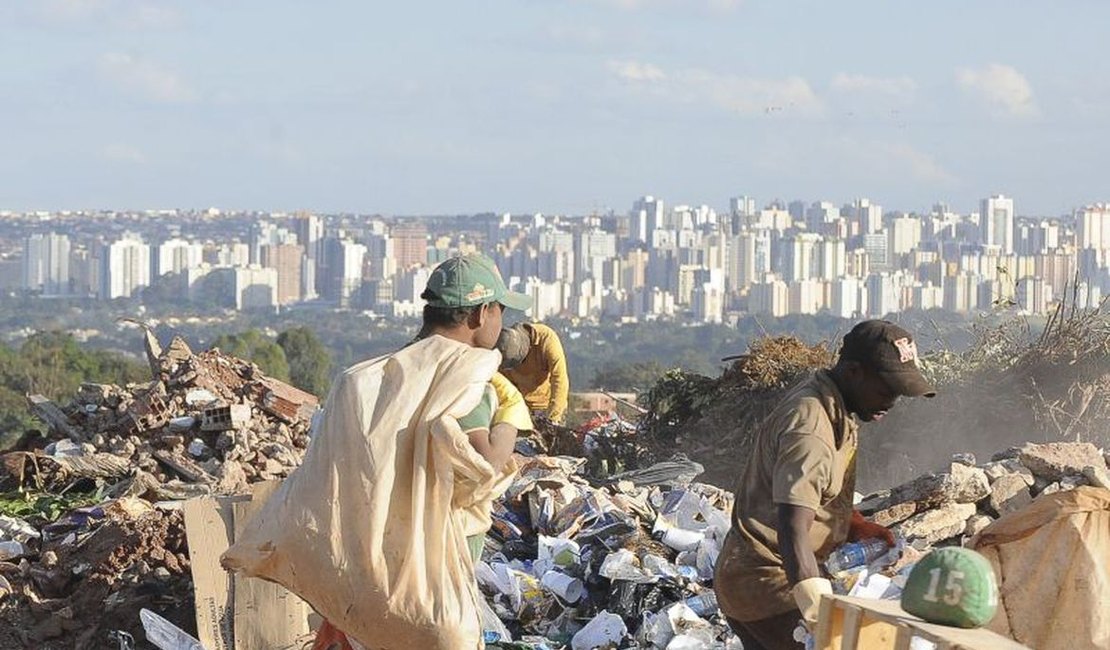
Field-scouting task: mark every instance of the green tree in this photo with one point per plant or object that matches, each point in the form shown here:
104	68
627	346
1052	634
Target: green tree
310	364
253	346
628	377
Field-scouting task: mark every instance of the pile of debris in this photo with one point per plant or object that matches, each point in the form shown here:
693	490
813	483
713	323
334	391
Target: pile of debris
207	424
951	507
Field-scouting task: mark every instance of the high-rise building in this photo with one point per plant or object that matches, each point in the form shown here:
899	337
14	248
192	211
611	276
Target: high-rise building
410	245
869	216
742	206
310	234
996	222
46	264
175	255
125	267
288	260
647	215
1092	227
905	235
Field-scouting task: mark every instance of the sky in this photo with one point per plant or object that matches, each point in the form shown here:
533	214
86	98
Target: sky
552	106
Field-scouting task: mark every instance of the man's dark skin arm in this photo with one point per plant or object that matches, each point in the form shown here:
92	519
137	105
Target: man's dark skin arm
797	556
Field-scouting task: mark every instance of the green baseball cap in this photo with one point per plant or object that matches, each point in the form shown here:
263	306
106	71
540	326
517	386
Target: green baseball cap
468	281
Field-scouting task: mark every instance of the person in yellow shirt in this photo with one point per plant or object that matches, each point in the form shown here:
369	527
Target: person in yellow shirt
533	359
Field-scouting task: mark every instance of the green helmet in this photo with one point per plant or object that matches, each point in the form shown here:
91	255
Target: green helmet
952	586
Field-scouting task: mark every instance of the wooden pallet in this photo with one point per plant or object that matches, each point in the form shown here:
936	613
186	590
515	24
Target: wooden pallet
847	623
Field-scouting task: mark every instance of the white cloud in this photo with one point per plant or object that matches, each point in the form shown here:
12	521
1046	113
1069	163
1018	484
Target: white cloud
124	153
743	95
636	71
145	79
1005	90
895	86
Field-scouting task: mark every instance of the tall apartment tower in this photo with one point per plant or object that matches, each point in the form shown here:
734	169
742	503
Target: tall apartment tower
46	264
125	267
996	222
310	235
287	260
410	245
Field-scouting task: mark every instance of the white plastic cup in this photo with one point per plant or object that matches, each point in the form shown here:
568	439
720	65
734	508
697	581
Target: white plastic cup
569	589
681	539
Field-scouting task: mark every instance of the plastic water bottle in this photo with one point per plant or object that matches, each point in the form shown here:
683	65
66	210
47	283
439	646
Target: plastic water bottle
854	554
704	604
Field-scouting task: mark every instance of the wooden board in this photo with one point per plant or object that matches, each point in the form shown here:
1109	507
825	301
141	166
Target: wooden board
236	613
847	623
267	616
209	531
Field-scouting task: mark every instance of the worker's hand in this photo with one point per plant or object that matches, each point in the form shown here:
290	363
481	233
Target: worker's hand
860	528
807	594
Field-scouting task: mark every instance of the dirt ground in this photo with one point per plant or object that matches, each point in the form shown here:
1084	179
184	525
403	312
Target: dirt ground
79	593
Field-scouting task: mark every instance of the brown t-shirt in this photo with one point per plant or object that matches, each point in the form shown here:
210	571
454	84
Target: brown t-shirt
804	454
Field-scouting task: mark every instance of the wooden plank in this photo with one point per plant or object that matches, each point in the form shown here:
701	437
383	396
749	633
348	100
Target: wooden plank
850	630
902	641
825	613
967	639
208	531
876	633
267	616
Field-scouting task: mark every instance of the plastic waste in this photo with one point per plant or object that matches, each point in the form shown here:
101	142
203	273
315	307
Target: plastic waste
854	554
623	565
11	549
17	529
197	447
561	552
493	630
182	424
569	589
803	636
602	630
704	604
166	635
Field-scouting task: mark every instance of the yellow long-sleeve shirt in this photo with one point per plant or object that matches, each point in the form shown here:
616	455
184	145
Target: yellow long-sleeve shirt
542	377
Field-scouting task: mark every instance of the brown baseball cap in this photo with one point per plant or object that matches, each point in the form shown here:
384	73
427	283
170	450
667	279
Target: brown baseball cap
890	351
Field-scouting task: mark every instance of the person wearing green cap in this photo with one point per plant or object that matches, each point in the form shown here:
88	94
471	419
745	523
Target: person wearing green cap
465	298
794	494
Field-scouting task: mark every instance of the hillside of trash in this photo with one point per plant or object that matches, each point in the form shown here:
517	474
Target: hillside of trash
606	538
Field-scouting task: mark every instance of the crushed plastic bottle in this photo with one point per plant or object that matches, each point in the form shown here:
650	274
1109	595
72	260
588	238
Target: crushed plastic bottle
704	604
166	635
854	554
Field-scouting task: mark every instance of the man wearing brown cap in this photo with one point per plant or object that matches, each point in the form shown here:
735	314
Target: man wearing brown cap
794	495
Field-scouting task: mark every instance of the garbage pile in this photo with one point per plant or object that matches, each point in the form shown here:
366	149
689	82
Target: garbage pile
625	561
97	532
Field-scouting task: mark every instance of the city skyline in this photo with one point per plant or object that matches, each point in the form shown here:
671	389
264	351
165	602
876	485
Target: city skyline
657	260
549	107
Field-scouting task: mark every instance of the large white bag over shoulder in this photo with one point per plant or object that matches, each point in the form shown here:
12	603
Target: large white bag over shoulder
365	529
